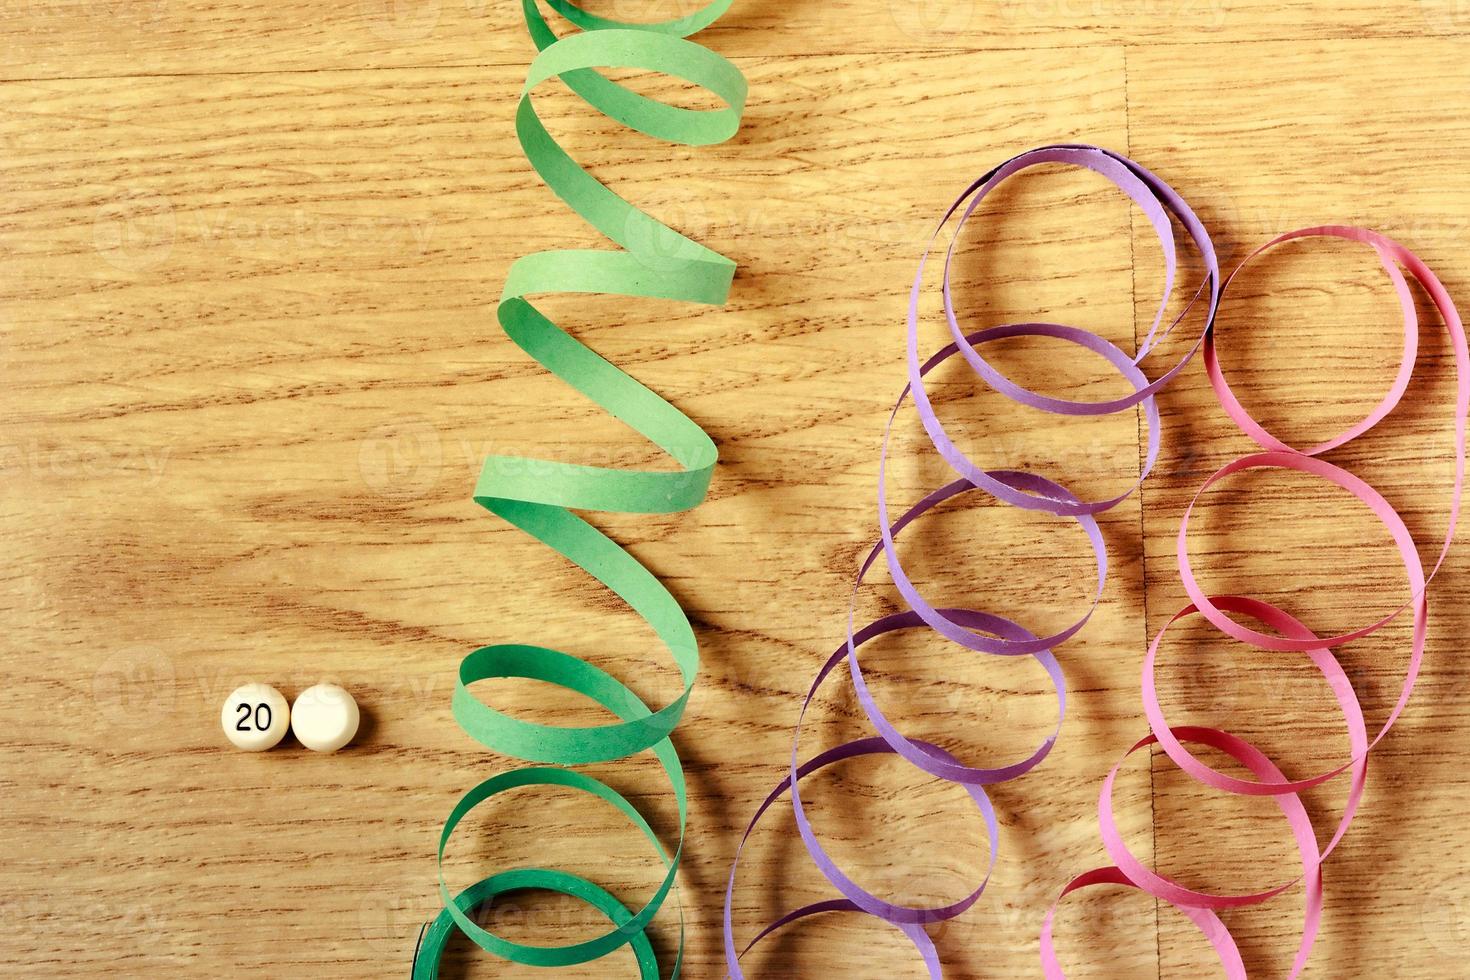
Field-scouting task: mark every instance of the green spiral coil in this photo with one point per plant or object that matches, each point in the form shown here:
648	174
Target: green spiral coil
540	497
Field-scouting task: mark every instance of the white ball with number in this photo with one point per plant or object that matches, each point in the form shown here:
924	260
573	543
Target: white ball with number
324	718
255	717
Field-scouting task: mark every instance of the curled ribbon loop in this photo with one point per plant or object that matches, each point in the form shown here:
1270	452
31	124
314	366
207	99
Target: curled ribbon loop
975	630
1290	635
540	496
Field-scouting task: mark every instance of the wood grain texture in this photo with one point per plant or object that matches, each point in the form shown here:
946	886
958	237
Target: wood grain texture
250	255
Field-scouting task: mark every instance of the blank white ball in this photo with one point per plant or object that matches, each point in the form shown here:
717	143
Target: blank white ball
255	717
324	718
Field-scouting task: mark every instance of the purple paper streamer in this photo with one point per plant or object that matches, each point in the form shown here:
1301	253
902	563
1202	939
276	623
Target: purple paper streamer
973	629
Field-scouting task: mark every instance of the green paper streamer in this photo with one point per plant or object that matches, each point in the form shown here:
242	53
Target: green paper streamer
539	496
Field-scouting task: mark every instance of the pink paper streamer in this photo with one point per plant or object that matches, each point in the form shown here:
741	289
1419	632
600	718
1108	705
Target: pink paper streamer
1290	635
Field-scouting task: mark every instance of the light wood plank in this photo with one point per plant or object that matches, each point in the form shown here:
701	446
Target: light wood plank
252	371
1332	132
68	38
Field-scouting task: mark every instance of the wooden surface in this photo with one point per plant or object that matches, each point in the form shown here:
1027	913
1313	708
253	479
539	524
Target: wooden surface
250	255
